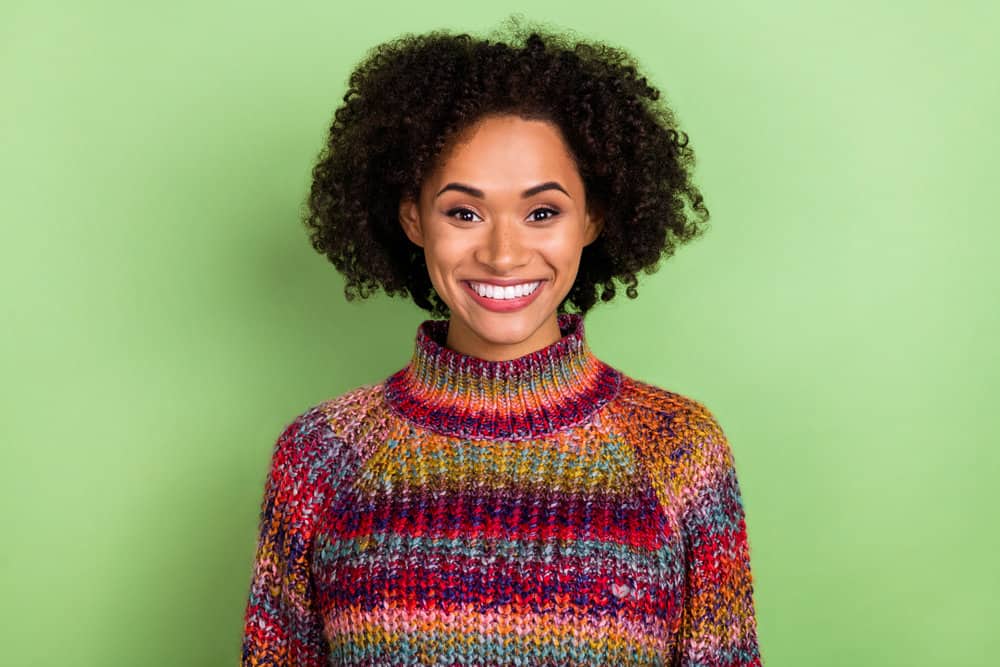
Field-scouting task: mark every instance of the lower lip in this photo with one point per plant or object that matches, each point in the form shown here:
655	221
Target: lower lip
503	305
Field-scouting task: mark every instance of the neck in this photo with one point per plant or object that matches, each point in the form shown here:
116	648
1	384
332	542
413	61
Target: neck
549	389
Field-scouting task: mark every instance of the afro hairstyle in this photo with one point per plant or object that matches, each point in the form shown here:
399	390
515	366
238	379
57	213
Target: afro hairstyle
399	115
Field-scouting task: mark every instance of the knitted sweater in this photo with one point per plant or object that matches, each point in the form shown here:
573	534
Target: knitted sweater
545	510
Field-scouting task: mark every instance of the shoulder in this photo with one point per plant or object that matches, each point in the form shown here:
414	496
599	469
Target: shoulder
339	414
327	431
679	439
668	417
346	413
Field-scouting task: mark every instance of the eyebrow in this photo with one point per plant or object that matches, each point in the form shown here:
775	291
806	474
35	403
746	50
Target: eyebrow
475	192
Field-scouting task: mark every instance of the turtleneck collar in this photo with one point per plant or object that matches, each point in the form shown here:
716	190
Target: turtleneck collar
555	387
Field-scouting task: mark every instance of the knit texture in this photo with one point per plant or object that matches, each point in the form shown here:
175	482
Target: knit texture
545	510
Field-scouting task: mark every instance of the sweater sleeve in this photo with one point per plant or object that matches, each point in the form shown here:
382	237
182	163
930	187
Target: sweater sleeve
282	626
719	626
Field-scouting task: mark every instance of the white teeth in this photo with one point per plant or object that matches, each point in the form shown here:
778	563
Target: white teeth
510	292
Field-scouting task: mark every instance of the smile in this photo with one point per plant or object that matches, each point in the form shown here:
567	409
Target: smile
504	298
502	293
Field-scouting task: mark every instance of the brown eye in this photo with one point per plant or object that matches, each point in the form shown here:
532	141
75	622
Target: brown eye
462	211
551	211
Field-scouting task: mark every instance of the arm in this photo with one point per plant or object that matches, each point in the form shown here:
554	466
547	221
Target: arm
719	625
282	627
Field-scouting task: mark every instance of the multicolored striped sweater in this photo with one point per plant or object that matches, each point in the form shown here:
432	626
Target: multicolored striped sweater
544	510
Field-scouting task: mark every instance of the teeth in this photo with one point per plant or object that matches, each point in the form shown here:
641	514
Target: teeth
510	292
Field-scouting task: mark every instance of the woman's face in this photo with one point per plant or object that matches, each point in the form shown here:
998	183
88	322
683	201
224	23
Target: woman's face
505	207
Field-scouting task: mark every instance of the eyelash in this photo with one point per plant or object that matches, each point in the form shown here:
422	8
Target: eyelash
459	209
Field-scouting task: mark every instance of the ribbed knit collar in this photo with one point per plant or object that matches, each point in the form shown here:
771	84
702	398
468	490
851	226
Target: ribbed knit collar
555	387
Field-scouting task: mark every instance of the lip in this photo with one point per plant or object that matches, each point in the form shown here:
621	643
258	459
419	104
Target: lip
504	305
505	282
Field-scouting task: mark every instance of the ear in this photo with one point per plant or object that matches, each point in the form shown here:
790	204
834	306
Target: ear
409	219
595	223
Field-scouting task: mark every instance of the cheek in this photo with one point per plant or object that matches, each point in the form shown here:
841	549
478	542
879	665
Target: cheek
443	254
562	253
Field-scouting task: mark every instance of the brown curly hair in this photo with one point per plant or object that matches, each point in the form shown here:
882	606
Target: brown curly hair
410	96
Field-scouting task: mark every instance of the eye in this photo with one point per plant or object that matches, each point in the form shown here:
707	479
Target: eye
551	211
462	211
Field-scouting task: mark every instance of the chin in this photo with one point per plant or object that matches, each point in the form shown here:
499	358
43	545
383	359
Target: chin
504	328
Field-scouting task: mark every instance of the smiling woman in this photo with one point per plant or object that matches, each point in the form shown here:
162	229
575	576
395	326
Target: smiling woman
506	498
502	253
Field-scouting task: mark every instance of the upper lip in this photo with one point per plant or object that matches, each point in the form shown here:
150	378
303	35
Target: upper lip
505	282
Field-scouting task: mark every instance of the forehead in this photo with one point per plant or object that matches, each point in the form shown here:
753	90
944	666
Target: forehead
507	153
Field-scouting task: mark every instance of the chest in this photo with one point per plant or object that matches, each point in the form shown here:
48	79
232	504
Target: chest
449	549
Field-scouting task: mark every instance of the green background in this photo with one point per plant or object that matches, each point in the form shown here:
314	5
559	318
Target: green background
165	316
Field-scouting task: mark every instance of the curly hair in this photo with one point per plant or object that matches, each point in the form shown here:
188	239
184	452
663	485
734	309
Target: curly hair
410	97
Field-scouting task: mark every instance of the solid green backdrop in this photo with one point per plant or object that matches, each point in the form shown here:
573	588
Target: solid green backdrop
165	316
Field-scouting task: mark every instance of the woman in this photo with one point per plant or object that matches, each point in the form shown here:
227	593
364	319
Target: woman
507	498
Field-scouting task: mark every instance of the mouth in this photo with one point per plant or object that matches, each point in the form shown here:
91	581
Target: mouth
504	298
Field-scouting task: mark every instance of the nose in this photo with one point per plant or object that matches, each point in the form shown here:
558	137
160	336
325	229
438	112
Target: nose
502	249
